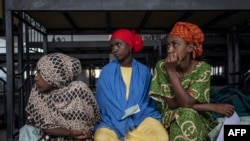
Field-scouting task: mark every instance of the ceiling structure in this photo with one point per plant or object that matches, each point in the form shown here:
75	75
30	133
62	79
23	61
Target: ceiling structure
145	22
146	16
153	17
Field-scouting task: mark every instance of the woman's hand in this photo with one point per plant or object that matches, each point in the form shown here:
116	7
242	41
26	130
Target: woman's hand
81	135
171	62
76	134
224	109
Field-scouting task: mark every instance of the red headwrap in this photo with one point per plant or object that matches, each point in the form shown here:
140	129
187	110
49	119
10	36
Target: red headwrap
190	33
130	37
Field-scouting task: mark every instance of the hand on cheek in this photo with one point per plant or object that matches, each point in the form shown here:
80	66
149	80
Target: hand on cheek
171	61
172	58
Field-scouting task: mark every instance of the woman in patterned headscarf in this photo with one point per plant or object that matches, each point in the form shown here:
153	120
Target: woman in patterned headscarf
127	112
62	107
181	85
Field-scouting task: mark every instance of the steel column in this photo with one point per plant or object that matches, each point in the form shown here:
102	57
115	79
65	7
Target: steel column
10	75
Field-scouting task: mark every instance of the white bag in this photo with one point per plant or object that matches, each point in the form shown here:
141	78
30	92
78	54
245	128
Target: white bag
29	133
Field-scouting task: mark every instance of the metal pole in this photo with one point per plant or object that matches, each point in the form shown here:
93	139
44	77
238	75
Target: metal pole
10	74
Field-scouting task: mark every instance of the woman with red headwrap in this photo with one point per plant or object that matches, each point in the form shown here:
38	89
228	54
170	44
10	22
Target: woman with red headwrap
127	111
181	85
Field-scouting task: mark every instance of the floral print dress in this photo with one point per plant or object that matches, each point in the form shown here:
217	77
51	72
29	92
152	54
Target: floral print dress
184	124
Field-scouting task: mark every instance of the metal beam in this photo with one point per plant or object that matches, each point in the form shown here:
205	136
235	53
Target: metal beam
185	16
89	44
90	57
100	31
96	56
144	21
70	21
108	21
27	23
219	18
10	76
94	44
73	5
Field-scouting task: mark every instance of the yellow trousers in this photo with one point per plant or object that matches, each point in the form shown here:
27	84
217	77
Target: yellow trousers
149	130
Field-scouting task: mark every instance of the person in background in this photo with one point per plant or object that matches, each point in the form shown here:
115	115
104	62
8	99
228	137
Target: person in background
127	111
181	85
61	107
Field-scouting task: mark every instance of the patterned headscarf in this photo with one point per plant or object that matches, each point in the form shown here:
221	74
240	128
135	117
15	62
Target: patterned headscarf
190	33
130	37
58	69
70	105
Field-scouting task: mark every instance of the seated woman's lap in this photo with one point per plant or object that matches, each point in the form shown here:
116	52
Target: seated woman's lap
150	129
